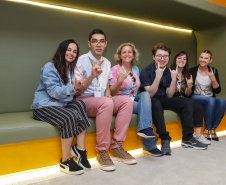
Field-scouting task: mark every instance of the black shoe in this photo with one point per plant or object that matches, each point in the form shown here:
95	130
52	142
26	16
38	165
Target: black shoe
81	157
214	134
148	134
155	152
70	167
194	143
166	147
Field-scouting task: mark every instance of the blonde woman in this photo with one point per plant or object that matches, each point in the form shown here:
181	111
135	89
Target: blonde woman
125	81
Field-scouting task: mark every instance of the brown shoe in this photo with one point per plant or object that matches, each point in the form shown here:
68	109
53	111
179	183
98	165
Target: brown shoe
104	161
120	154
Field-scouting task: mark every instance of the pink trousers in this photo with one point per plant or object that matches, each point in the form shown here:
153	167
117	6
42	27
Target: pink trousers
103	108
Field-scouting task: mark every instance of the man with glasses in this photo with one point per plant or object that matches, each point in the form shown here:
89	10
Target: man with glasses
96	94
160	82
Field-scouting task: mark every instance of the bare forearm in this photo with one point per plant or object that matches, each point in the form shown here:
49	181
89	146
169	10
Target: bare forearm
215	84
171	90
87	82
188	91
153	88
115	88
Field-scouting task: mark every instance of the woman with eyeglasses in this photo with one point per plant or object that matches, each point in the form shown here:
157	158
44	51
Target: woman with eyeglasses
206	85
184	90
125	81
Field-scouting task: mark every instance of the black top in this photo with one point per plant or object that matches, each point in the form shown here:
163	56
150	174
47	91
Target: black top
193	71
147	77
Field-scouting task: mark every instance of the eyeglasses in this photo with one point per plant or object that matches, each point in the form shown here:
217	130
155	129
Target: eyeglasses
160	56
133	78
95	42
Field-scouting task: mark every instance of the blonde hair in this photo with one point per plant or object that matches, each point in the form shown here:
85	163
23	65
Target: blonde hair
135	54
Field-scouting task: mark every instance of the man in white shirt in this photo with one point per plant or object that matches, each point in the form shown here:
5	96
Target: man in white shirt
96	94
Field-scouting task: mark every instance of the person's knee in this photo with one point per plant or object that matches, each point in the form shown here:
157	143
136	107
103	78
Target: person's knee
107	103
145	94
127	101
221	102
156	104
198	107
82	103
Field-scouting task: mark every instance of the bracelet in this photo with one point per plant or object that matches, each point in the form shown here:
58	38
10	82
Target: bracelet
213	81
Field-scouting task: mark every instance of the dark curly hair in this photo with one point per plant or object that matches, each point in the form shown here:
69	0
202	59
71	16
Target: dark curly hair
59	59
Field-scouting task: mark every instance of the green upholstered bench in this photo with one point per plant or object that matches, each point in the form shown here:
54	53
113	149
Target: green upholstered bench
21	127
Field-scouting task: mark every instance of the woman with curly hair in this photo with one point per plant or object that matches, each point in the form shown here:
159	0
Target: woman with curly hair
125	81
54	103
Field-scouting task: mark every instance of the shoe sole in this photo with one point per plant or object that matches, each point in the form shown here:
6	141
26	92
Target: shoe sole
191	146
126	161
152	138
205	143
76	155
106	168
167	153
66	170
155	155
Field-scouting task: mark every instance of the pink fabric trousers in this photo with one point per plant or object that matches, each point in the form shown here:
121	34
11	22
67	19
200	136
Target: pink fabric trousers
103	108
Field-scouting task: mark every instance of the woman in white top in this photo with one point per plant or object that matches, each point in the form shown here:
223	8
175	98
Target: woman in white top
205	85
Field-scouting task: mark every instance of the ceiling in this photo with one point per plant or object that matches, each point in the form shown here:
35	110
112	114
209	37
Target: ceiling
192	14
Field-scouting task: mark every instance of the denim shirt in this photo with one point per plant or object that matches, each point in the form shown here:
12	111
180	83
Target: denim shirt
51	90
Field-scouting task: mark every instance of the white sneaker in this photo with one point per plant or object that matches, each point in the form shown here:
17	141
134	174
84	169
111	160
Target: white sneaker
202	139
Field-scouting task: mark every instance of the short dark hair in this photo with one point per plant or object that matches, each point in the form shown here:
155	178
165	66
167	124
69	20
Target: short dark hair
162	47
96	31
208	52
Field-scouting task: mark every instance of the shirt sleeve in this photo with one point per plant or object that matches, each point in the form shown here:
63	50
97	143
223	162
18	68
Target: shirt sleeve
53	83
136	70
113	75
166	78
145	78
218	89
78	72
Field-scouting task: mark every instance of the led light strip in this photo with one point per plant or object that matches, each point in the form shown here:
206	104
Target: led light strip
98	14
53	171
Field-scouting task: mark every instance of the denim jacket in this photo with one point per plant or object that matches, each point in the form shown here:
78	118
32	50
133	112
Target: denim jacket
51	90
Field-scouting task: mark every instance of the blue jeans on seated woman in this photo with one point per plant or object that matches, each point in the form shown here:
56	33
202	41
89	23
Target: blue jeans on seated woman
214	109
142	107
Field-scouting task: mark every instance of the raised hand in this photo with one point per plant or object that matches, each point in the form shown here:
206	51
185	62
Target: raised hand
211	75
189	82
174	73
122	76
79	83
159	72
96	69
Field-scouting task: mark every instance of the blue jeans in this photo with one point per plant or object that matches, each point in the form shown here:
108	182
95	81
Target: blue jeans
142	107
214	109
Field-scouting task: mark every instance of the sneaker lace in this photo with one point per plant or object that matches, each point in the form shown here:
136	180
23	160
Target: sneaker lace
193	140
122	151
165	144
84	155
104	156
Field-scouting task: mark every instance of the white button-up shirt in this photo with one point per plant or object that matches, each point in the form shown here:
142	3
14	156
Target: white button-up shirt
84	66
